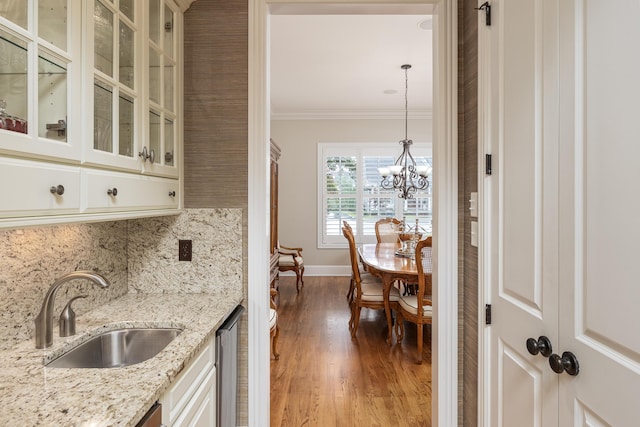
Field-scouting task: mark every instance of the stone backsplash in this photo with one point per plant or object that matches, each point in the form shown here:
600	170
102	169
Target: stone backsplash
216	263
135	256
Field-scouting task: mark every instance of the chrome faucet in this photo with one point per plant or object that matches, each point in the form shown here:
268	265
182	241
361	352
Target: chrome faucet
44	320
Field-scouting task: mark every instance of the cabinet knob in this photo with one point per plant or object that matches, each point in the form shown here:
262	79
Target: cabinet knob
113	192
147	155
172	194
57	190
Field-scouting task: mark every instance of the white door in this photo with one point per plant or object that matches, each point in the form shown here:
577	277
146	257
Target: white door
562	123
521	133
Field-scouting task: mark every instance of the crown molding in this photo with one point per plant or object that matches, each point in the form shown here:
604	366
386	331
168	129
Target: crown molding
349	115
184	4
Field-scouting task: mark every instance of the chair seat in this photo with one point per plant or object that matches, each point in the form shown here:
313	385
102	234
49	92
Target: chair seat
410	304
287	261
372	290
273	318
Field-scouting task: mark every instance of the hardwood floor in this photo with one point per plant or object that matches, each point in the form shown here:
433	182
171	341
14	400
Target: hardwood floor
324	378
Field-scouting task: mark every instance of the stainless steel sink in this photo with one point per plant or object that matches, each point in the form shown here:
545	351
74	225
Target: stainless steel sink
118	348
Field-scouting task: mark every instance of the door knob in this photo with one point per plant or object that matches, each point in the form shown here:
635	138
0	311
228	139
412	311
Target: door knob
568	362
542	346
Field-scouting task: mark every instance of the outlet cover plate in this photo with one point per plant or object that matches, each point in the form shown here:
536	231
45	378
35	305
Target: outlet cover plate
184	250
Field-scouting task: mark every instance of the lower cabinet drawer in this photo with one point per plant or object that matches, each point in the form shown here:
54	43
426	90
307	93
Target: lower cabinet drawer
115	191
37	189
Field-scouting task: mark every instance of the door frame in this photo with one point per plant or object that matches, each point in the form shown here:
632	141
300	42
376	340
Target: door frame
445	196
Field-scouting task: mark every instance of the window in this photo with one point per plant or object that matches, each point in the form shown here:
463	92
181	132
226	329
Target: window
349	190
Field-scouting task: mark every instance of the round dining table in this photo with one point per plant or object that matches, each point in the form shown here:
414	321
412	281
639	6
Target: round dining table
382	260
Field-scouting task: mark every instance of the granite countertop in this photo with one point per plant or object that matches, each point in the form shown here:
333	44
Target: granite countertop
32	395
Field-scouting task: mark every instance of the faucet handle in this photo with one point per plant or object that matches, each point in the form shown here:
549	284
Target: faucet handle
68	319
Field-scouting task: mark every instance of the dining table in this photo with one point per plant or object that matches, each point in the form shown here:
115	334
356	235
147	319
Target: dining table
388	262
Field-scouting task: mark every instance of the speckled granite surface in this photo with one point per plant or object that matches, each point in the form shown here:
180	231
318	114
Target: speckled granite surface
216	236
136	256
32	395
149	286
32	258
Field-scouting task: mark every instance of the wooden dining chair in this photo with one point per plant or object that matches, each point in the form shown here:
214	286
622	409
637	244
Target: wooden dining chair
387	230
368	289
417	308
274	328
291	260
361	267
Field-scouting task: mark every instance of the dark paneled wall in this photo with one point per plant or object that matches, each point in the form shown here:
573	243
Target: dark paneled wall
216	126
468	182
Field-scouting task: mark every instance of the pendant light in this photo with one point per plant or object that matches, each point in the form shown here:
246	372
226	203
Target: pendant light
404	176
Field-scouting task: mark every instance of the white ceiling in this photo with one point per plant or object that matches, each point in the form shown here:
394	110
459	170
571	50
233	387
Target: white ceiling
341	65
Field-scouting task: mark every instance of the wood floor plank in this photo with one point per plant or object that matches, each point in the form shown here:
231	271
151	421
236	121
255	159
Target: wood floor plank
324	378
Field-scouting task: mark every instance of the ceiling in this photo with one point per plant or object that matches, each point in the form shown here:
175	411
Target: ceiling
328	66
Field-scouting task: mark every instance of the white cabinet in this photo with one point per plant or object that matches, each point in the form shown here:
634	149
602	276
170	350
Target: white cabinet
132	85
191	399
90	99
113	191
40	108
36	188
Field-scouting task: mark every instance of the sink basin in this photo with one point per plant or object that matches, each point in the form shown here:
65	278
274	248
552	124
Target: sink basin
118	348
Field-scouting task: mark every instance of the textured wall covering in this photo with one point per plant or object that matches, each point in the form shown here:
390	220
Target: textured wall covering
468	182
216	45
216	104
33	258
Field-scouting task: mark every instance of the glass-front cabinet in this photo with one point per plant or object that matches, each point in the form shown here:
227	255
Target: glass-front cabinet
163	63
133	85
40	53
90	102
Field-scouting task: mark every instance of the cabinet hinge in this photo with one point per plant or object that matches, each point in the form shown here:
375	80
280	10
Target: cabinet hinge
487	12
487	164
487	314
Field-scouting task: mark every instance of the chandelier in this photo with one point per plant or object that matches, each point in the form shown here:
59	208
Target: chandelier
404	175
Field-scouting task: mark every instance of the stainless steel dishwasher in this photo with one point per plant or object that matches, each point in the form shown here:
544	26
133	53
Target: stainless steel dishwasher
227	369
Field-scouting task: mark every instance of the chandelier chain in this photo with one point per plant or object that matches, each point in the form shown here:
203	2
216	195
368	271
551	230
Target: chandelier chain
406	103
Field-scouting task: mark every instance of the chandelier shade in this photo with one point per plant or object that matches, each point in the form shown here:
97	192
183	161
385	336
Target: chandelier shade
404	176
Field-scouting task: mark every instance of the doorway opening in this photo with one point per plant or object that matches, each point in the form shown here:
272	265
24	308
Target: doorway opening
445	194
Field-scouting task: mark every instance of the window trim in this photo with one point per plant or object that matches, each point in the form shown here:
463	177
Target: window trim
359	150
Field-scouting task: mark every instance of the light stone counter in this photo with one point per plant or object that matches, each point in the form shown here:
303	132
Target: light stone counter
32	395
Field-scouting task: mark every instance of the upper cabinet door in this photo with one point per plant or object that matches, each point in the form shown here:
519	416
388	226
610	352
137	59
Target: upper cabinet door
40	47
113	88
133	89
162	131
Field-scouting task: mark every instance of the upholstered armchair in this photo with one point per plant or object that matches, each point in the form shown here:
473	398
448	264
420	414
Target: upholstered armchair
291	260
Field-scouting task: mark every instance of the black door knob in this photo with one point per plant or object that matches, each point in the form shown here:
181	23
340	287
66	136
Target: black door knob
568	362
542	346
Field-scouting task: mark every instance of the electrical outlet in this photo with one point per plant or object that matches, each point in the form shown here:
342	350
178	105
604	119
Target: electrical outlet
184	250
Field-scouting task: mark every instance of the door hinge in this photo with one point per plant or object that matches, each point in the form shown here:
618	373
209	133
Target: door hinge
487	12
487	314
487	164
